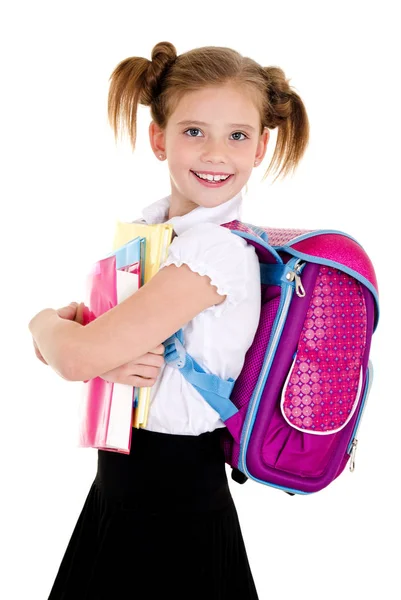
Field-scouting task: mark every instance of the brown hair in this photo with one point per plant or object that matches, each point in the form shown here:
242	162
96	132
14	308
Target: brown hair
162	81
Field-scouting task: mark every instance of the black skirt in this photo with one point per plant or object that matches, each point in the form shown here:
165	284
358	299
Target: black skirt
159	522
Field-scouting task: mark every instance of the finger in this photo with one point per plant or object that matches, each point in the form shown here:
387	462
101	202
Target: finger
158	350
134	380
142	381
79	316
67	312
145	371
149	359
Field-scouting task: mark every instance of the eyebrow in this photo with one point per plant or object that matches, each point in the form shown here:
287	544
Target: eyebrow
239	125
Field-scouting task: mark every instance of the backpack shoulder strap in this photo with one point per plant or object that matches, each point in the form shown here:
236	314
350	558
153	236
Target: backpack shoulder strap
215	391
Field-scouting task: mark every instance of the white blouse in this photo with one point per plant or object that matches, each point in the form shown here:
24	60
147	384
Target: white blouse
218	337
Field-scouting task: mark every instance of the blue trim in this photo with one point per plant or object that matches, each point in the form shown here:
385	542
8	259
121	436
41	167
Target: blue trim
337	265
369	379
272	274
259	231
279	487
254	401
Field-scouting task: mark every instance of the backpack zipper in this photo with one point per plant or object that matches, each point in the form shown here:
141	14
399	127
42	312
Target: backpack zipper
292	275
295	276
351	450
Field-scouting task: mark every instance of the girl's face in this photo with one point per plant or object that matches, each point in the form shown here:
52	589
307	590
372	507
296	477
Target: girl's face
212	131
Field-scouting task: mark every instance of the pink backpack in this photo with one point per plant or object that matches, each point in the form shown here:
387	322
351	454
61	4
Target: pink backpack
292	416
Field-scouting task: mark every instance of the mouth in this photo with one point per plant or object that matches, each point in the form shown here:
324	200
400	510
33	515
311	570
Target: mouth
211	183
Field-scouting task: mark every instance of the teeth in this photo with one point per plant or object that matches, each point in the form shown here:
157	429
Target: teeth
212	177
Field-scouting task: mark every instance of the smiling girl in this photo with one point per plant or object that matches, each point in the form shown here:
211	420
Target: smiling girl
168	502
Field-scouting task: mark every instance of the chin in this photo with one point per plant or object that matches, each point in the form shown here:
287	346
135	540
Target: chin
213	202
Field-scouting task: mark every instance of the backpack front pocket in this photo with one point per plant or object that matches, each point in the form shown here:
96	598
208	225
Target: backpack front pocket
323	386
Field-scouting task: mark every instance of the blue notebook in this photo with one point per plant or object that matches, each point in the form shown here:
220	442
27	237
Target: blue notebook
130	253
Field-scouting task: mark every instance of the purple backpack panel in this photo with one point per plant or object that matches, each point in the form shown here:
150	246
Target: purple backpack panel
307	374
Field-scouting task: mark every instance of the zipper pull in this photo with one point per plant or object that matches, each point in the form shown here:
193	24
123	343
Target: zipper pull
352	454
295	276
299	288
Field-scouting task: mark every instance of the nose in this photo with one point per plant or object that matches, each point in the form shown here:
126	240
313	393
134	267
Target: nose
213	151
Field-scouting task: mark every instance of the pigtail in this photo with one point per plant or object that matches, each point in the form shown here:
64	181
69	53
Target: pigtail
134	81
287	112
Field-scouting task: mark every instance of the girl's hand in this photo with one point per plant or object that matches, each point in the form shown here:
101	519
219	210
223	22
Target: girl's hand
142	372
72	312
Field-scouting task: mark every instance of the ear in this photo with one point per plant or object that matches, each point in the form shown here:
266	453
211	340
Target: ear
262	145
157	139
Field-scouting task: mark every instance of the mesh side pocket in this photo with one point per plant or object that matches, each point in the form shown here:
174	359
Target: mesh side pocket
247	380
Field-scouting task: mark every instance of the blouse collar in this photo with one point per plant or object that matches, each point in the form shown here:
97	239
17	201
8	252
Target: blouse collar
157	212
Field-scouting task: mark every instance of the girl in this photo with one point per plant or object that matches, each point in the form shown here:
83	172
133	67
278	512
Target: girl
168	502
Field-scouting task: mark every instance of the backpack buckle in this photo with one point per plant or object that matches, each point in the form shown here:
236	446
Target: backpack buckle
175	353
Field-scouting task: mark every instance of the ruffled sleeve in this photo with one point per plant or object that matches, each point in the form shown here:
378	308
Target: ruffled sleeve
212	250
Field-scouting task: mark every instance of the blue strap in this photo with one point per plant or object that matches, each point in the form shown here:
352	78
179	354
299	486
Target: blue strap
213	389
273	274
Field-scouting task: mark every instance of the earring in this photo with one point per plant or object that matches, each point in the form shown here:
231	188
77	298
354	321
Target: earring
161	156
256	162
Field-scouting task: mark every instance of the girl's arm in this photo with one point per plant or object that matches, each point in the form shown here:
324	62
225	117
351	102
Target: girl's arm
173	297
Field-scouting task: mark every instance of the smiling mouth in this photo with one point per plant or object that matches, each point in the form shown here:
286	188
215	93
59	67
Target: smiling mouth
212	181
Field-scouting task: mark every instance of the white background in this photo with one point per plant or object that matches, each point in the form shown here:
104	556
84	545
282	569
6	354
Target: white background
65	183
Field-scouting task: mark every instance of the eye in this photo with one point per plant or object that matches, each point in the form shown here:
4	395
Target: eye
239	133
192	129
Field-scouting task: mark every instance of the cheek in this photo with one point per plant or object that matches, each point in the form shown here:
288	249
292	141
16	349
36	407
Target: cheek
245	164
180	156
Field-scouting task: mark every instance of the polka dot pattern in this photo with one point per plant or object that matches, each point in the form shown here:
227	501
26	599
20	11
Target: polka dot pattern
322	387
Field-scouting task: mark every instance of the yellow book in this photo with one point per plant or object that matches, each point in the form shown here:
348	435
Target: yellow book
158	238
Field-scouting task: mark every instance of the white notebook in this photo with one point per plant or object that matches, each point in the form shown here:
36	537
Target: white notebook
120	421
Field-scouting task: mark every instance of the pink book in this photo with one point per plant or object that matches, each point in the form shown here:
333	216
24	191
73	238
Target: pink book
105	420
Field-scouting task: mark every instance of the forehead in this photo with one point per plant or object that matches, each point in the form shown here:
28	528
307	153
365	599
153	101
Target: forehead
218	104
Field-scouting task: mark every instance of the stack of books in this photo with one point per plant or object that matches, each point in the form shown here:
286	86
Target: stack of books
108	411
